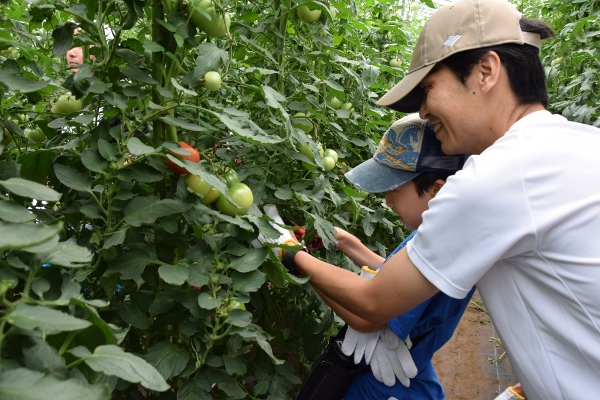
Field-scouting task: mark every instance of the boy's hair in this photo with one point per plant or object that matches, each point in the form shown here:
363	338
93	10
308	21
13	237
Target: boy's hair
523	65
424	181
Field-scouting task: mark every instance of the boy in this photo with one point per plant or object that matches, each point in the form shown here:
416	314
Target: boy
410	166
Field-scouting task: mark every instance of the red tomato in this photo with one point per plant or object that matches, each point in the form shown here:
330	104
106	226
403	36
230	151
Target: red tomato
193	157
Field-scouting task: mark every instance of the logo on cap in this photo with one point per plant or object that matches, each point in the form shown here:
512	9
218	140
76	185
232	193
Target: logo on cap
451	41
401	145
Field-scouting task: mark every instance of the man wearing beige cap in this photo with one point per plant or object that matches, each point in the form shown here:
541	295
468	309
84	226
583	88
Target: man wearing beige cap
521	220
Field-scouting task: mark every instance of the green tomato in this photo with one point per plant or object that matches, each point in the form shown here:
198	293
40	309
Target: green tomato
235	305
307	151
328	163
208	192
394	62
346	106
242	195
331	153
212	80
300	120
6	137
216	26
36	134
334	103
231	178
66	104
307	15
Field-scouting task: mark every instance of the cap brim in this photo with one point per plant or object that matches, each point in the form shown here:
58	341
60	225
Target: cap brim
374	177
406	96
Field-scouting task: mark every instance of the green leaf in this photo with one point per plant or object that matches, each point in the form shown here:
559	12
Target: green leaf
248	130
12	212
112	360
181	123
134	316
33	190
25	384
168	359
48	319
174	274
249	282
138	74
67	254
107	330
16	83
132	264
240	318
137	148
208	302
251	261
93	161
146	210
140	173
18	236
72	178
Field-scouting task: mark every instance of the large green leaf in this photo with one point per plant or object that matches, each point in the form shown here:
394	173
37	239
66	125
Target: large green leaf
12	212
25	188
72	178
145	210
112	360
48	319
25	384
18	236
167	358
248	282
19	84
250	261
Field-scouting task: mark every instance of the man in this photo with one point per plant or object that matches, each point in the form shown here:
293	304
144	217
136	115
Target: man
520	220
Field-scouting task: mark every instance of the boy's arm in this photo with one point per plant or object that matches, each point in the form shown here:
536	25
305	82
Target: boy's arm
360	254
395	289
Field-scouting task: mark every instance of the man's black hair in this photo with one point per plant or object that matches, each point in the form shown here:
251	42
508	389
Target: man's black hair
522	62
425	180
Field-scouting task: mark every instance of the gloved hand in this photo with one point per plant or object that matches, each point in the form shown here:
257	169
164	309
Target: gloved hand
509	394
391	359
286	236
359	343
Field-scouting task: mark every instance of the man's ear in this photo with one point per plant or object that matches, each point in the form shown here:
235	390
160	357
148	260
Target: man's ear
489	68
435	188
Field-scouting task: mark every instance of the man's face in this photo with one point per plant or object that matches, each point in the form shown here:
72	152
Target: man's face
75	57
454	111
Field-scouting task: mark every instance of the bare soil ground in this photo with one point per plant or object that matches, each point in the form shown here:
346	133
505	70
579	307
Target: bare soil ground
473	365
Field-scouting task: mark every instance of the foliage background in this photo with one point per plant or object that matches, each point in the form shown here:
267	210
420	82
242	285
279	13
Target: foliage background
115	281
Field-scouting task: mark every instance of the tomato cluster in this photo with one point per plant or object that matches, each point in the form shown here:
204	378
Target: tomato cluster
239	192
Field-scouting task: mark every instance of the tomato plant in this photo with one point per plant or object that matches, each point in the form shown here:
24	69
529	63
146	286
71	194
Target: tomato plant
231	177
192	156
114	262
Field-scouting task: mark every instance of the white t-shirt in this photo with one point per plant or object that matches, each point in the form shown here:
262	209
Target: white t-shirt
522	221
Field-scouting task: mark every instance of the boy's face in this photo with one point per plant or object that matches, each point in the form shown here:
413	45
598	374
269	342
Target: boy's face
406	204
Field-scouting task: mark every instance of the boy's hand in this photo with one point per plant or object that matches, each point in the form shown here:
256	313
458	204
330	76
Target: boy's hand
285	236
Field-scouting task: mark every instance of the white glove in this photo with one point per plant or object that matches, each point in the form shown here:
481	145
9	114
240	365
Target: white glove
509	394
359	343
286	236
391	359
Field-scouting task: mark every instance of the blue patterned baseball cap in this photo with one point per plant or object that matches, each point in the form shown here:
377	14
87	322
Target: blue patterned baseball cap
407	149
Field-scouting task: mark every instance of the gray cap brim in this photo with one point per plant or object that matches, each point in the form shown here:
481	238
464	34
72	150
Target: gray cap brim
373	177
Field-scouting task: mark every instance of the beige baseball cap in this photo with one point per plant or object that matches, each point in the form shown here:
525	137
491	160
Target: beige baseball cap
458	26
